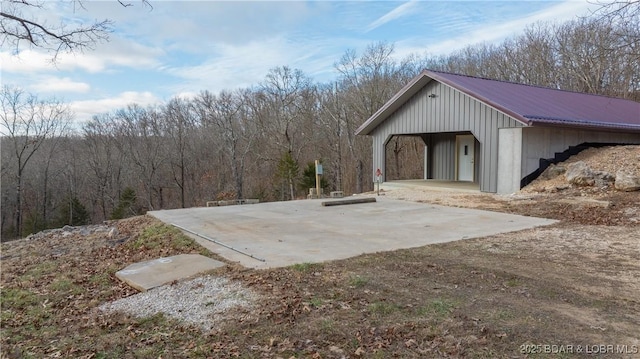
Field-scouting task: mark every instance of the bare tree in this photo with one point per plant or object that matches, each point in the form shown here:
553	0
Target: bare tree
586	54
27	122
179	125
229	115
284	89
331	120
367	82
140	136
286	93
106	164
24	22
622	11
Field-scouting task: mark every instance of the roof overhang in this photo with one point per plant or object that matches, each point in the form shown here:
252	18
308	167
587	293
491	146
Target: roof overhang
593	125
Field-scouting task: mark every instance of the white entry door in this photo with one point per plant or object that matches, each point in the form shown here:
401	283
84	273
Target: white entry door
466	156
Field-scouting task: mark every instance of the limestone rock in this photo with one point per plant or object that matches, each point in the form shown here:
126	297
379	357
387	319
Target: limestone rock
553	171
579	174
603	179
113	232
626	181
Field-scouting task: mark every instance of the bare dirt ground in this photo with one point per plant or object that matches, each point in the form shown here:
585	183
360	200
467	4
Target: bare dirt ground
567	290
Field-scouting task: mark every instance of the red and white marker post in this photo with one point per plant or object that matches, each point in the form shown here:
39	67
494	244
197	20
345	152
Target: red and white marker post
378	178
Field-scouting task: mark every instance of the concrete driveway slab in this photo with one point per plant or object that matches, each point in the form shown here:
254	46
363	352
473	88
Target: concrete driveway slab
285	233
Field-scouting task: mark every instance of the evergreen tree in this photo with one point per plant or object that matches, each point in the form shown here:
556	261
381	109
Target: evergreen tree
73	213
308	179
288	171
126	205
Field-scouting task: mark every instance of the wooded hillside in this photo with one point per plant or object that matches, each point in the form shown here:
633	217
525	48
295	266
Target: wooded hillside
260	142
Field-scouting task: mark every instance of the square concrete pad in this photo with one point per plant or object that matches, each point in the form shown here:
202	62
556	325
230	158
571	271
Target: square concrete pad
285	233
150	274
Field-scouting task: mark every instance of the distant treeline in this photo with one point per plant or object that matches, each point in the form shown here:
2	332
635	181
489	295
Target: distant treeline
260	142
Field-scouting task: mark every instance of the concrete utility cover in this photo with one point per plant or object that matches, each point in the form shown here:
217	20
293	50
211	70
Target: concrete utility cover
150	274
285	233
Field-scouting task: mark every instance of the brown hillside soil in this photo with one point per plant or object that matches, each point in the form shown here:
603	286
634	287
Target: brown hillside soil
571	290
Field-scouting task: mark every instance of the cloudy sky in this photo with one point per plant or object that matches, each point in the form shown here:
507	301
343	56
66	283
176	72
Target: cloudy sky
179	48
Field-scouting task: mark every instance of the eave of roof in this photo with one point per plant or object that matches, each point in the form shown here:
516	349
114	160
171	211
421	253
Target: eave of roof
550	119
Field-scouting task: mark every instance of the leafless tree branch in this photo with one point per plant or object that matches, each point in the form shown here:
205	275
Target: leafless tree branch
17	29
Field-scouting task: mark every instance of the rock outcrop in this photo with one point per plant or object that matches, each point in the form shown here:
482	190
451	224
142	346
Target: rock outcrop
626	181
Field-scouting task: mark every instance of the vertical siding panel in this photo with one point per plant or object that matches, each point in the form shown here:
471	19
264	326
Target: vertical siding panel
456	109
452	155
425	113
412	120
421	119
407	116
452	110
465	113
413	125
394	127
487	130
439	157
459	111
478	117
404	118
493	129
438	102
435	150
445	107
411	113
402	124
432	115
486	115
437	160
421	114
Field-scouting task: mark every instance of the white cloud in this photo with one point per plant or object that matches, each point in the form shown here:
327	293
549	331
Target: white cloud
119	52
491	33
86	109
242	65
27	61
186	95
60	84
394	14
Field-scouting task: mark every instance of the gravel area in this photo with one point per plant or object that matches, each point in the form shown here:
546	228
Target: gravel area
203	302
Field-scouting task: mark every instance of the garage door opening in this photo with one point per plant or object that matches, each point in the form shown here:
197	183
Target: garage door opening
404	158
448	160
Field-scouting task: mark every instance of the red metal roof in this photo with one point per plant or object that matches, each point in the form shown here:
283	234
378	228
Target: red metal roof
531	105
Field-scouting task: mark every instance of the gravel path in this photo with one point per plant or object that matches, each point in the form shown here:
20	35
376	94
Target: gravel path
203	301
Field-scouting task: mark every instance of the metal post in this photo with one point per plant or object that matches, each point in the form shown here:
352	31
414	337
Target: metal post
317	179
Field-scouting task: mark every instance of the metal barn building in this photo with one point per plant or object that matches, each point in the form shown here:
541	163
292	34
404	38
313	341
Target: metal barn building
494	133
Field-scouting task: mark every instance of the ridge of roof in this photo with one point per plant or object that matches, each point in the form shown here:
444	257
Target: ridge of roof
521	84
